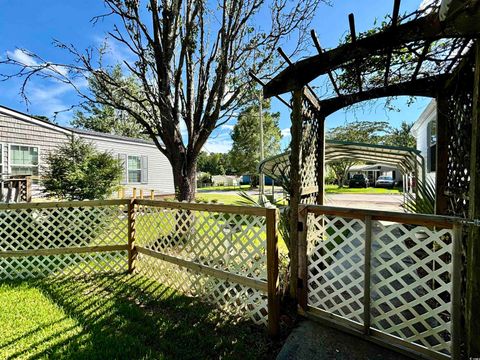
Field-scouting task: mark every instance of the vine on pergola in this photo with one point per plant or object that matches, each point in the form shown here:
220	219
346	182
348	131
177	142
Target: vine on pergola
406	54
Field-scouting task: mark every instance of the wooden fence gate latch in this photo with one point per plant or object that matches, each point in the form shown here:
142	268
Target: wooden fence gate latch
474	222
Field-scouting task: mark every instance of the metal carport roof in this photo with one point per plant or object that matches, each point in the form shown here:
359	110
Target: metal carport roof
408	160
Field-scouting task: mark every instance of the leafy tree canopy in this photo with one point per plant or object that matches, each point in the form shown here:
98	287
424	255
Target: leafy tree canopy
362	131
77	171
401	136
245	153
105	118
212	163
370	132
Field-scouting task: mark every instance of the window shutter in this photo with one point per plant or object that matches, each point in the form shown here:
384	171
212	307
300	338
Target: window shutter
144	170
123	161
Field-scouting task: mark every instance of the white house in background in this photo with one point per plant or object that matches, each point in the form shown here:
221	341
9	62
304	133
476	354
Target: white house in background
225	180
25	141
425	132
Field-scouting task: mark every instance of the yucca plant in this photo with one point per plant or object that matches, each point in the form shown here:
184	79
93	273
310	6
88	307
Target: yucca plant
423	201
283	180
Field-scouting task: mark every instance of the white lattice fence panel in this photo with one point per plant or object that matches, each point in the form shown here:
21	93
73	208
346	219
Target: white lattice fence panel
62	264
230	242
236	299
56	227
335	258
233	243
411	283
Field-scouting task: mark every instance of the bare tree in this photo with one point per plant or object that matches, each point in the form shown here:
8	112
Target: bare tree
190	59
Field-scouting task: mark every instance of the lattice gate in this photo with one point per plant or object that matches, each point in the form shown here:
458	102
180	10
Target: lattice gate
392	277
410	294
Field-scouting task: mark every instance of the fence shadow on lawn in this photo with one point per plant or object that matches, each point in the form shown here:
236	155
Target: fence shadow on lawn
125	316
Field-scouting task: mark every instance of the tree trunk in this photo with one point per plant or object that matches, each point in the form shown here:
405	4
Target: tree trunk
184	178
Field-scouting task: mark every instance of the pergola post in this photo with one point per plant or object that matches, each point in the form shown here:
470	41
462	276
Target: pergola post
441	174
295	183
472	311
321	160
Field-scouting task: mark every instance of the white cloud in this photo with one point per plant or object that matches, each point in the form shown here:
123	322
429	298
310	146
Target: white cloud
286	133
227	127
219	142
23	57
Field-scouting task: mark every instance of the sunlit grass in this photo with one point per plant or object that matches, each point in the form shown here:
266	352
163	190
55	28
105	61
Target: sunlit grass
117	317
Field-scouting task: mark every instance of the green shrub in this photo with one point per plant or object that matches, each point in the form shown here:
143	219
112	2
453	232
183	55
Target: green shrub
77	171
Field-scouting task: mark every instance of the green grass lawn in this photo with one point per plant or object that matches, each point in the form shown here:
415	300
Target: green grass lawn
224	188
118	317
230	199
334	189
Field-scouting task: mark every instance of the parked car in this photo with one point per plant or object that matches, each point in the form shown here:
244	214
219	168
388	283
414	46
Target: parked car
385	182
358	180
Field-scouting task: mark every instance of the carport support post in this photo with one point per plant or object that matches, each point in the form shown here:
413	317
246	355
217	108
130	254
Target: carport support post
295	185
472	311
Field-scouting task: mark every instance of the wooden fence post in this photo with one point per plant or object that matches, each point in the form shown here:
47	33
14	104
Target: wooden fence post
132	251
272	273
295	185
302	284
152	194
367	275
472	311
134	193
141	194
456	291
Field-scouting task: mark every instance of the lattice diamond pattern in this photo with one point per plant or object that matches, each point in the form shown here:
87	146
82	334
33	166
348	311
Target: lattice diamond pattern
335	256
233	298
62	227
65	264
229	242
47	228
411	283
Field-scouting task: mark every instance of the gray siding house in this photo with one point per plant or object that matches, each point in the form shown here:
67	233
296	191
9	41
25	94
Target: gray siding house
25	140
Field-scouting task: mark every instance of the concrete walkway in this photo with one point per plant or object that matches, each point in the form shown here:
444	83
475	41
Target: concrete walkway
385	202
313	341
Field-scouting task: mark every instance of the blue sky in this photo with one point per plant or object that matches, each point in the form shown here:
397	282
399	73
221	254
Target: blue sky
32	25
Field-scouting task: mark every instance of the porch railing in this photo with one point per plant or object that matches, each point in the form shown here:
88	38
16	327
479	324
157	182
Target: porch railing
390	277
15	188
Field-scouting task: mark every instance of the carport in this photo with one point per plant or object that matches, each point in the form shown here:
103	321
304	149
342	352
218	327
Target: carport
408	160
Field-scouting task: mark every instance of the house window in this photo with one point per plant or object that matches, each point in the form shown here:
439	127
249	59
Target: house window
432	146
23	160
134	167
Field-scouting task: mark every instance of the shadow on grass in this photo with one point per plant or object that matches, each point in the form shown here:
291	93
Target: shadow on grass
133	317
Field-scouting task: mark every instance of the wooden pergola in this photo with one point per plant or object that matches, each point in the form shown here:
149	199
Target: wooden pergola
433	53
